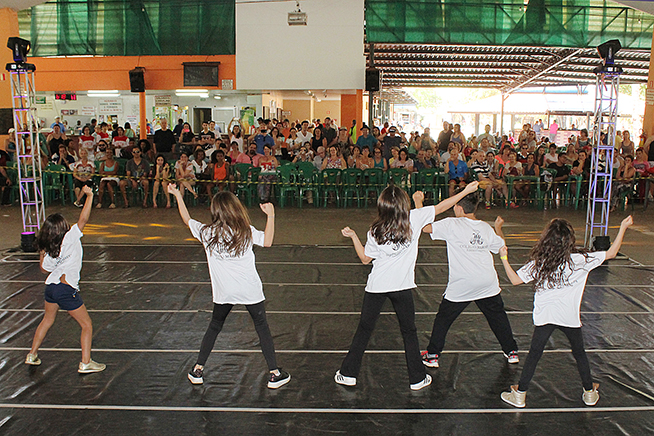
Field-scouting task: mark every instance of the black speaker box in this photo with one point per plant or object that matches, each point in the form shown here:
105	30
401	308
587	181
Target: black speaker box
137	80
372	80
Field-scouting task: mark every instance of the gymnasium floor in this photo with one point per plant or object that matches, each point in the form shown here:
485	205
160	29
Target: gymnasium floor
151	304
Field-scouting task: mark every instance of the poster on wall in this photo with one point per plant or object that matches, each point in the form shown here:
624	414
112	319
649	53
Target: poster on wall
163	100
110	106
88	111
68	112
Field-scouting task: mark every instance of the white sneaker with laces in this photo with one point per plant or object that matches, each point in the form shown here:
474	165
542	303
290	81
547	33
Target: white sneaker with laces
87	368
423	384
591	397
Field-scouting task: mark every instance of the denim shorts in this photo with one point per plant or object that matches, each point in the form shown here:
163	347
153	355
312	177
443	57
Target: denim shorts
64	295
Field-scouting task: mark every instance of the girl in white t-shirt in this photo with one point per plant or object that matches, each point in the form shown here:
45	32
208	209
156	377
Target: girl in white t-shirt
61	255
559	271
392	247
228	244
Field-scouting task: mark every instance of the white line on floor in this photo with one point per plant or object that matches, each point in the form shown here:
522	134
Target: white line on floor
319	410
308	312
255	351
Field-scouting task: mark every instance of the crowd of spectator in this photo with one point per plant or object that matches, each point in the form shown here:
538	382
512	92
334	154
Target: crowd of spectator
200	162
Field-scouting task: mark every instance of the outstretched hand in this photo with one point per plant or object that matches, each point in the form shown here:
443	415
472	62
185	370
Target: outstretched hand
87	190
348	232
627	222
268	208
471	187
172	189
499	221
418	197
504	251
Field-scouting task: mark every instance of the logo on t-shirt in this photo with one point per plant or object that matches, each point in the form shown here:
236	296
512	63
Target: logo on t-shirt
476	238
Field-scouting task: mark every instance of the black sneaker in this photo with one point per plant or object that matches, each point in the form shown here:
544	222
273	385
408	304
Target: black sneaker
277	381
195	376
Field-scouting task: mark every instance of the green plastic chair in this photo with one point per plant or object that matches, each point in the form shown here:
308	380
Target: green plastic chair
53	183
330	178
287	175
399	177
350	179
372	181
426	182
308	180
249	189
240	172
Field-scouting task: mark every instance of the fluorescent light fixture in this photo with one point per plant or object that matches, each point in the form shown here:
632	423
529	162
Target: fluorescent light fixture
217	97
104	91
204	93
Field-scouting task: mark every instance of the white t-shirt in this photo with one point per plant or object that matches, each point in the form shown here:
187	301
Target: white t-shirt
393	267
560	305
234	280
304	138
69	261
470	243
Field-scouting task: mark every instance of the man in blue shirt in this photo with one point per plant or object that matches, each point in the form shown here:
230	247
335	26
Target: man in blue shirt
366	139
58	123
262	138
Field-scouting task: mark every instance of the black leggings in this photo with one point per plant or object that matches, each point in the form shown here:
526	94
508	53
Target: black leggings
541	335
406	316
493	310
258	314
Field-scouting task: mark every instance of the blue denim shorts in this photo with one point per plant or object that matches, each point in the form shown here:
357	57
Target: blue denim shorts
64	295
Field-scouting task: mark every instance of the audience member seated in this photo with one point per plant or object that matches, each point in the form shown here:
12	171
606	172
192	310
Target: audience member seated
365	161
552	156
220	170
319	157
378	159
391	141
83	171
121	144
63	158
457	172
137	171
87	141
420	162
403	161
202	174
353	157
185	174
268	175
303	155
334	160
514	168
161	177
562	174
623	181
108	171
251	157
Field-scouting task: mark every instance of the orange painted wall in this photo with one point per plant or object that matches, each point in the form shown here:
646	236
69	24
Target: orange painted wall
9	28
111	72
352	108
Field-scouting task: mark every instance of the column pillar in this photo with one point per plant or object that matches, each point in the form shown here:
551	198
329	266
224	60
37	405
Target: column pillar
648	118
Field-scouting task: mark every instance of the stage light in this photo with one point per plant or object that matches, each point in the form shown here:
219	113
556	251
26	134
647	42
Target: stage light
608	50
20	47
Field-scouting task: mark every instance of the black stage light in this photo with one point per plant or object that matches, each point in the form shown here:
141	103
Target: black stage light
20	47
608	50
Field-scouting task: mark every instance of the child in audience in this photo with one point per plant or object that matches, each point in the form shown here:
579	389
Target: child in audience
228	242
470	243
559	271
61	255
161	176
392	247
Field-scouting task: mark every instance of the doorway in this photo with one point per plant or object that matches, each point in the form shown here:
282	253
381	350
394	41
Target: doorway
200	115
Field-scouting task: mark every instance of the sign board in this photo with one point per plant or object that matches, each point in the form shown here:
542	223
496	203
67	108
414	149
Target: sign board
649	96
40	99
88	111
110	106
227	84
286	114
163	100
69	112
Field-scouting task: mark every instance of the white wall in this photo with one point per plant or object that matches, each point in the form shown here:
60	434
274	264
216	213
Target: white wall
327	53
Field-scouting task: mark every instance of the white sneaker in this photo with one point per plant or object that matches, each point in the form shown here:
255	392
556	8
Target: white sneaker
512	357
86	368
344	380
426	382
32	359
591	397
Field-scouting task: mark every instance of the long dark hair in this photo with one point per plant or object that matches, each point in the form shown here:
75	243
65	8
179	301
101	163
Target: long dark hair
552	254
230	225
52	232
392	224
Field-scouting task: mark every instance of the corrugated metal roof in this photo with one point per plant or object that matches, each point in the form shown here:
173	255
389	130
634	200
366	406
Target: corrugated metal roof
499	67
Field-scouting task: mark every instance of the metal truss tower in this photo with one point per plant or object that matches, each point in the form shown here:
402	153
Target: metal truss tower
601	164
26	126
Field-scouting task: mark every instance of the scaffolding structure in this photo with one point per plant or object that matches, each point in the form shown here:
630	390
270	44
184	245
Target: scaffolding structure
26	131
601	164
